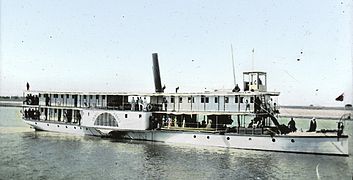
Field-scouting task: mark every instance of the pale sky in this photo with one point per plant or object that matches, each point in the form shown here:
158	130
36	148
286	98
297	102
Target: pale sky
107	45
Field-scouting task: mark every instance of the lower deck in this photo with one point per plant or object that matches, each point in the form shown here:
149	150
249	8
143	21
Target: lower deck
300	142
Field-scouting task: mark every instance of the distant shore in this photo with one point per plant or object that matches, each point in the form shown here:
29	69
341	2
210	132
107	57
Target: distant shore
10	103
310	112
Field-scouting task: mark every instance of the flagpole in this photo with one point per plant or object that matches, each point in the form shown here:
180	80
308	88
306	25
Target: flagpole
235	82
252	59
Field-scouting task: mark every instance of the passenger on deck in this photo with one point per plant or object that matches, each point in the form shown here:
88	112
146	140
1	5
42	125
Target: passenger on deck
164	104
247	106
291	125
251	124
209	124
312	127
26	113
133	104
144	104
275	110
203	124
140	104
175	122
257	104
169	122
236	88
85	102
137	104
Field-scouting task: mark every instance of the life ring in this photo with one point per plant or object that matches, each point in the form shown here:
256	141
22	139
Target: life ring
149	107
29	102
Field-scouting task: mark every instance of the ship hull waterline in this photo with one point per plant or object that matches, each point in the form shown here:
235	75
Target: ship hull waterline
326	145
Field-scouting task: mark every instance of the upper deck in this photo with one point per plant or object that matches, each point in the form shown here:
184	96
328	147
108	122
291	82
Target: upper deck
254	98
218	101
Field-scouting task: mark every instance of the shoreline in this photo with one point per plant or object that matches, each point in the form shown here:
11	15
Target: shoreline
310	112
10	103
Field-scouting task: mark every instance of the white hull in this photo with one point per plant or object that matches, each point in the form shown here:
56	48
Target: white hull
285	143
63	128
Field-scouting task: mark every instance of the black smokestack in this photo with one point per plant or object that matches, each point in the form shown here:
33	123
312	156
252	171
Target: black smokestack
156	74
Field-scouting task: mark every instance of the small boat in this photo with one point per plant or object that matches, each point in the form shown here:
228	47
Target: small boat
224	118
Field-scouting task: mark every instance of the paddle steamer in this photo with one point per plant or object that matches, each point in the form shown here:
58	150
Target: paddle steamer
244	119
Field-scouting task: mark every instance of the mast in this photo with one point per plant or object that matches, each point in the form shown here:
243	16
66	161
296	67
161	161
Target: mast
235	82
252	59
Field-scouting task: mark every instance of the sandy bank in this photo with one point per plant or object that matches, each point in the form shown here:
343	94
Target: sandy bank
324	113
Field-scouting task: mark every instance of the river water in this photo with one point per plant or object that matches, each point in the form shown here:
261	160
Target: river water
26	154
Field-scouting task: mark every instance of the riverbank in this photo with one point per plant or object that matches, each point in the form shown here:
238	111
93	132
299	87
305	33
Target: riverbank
310	112
10	103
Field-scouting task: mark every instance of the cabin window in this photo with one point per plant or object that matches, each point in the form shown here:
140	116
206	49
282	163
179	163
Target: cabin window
180	99
125	115
251	99
189	99
215	99
236	99
140	115
204	99
172	99
226	99
241	99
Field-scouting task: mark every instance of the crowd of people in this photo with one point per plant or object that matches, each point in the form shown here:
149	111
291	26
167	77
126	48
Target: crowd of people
31	114
32	99
139	104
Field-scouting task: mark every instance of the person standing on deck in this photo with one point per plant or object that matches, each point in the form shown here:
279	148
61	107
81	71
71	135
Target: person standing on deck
247	105
27	85
133	104
312	127
144	104
291	125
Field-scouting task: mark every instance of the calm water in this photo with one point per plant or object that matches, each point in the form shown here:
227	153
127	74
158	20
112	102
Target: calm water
25	154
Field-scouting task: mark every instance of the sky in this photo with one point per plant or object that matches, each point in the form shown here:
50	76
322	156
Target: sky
304	46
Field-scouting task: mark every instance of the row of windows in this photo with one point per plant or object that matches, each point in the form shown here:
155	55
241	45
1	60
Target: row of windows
68	96
205	99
